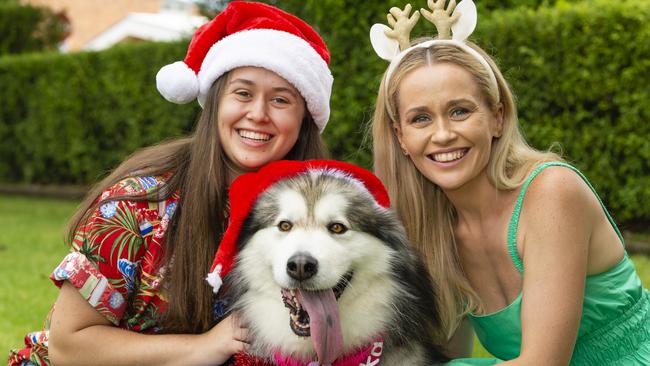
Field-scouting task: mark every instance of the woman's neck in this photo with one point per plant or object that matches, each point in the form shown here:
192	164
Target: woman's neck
477	201
232	172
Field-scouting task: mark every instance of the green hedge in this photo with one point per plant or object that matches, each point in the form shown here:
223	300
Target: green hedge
580	72
485	6
582	76
70	118
28	29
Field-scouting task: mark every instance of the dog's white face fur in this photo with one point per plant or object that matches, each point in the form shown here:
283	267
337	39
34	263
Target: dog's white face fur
311	204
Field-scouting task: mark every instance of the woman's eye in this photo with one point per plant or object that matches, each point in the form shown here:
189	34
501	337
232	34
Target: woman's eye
281	100
420	118
459	113
284	226
337	228
243	93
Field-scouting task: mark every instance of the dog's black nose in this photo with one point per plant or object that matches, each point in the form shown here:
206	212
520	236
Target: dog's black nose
302	266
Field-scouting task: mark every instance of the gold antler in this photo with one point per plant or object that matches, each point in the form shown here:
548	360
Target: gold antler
441	18
402	25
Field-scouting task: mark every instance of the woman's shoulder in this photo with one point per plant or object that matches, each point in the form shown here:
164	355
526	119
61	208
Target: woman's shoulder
143	196
551	177
135	185
561	189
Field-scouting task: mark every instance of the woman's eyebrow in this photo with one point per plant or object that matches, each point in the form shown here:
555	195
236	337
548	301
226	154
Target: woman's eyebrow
454	102
284	89
417	109
240	80
275	89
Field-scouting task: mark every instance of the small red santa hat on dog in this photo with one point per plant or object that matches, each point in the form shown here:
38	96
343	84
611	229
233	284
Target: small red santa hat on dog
253	34
245	190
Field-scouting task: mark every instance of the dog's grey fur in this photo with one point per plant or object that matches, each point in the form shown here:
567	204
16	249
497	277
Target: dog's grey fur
390	292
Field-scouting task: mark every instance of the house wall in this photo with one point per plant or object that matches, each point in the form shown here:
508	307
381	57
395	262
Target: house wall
89	18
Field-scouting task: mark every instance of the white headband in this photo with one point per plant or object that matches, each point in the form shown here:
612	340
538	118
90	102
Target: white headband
387	48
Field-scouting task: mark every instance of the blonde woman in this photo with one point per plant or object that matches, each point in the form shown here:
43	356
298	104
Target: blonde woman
520	245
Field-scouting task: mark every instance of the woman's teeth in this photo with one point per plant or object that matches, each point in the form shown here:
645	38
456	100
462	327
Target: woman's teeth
449	156
254	135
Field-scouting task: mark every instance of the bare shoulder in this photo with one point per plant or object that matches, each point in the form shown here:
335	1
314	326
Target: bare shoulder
562	191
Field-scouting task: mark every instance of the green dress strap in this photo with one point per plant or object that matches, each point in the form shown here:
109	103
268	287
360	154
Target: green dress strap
516	212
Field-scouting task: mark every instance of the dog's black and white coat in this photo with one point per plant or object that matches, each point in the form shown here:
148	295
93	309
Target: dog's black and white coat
321	232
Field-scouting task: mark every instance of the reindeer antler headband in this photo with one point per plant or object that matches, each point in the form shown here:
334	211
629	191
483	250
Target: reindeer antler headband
454	24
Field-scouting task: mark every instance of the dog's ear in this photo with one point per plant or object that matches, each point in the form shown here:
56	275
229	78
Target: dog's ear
385	226
248	228
260	216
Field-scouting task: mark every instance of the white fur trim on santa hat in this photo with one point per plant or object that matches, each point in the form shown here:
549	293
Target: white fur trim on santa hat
283	53
214	279
177	83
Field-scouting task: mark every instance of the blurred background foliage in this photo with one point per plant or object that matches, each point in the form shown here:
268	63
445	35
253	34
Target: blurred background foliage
26	28
580	72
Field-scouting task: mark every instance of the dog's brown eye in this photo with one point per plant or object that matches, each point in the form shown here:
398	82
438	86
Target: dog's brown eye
337	228
285	226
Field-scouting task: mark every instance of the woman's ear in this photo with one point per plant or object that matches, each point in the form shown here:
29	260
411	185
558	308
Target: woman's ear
398	130
498	116
398	133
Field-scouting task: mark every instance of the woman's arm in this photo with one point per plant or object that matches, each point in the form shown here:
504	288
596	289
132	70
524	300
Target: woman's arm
80	335
461	343
559	217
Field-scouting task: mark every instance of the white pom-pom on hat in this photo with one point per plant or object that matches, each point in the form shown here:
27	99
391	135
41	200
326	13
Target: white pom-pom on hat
177	83
214	278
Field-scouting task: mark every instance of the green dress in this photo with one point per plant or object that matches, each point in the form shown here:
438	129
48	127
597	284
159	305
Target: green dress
615	324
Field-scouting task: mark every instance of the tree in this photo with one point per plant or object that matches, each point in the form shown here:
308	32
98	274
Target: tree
27	28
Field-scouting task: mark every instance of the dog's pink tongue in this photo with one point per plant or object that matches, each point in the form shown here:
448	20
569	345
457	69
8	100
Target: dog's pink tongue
324	323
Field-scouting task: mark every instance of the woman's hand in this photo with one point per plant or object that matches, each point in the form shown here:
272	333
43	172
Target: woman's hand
221	342
80	335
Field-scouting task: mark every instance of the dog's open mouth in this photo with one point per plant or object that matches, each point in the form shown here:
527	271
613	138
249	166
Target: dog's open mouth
299	302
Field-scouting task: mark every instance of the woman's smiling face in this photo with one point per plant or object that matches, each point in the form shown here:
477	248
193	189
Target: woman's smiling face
259	116
445	124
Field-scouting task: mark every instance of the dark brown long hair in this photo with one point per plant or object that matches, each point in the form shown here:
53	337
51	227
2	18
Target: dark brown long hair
199	171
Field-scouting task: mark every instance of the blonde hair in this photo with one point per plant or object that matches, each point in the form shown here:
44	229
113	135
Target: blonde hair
428	215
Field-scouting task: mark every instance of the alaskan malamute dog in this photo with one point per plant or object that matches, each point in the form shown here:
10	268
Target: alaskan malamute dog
324	271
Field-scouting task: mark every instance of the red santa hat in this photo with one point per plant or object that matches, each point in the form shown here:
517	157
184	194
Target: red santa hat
245	190
253	34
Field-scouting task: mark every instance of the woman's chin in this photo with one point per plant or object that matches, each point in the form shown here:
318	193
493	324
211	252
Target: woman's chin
448	182
253	165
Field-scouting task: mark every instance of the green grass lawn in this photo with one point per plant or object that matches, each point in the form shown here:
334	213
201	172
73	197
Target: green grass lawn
31	245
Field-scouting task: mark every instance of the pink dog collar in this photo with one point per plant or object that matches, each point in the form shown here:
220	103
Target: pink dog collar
369	355
365	356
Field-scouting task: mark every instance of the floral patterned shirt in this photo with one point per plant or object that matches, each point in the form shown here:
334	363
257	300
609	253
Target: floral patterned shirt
114	263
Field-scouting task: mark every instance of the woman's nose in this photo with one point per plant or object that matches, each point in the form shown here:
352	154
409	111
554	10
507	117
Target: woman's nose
442	133
257	111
